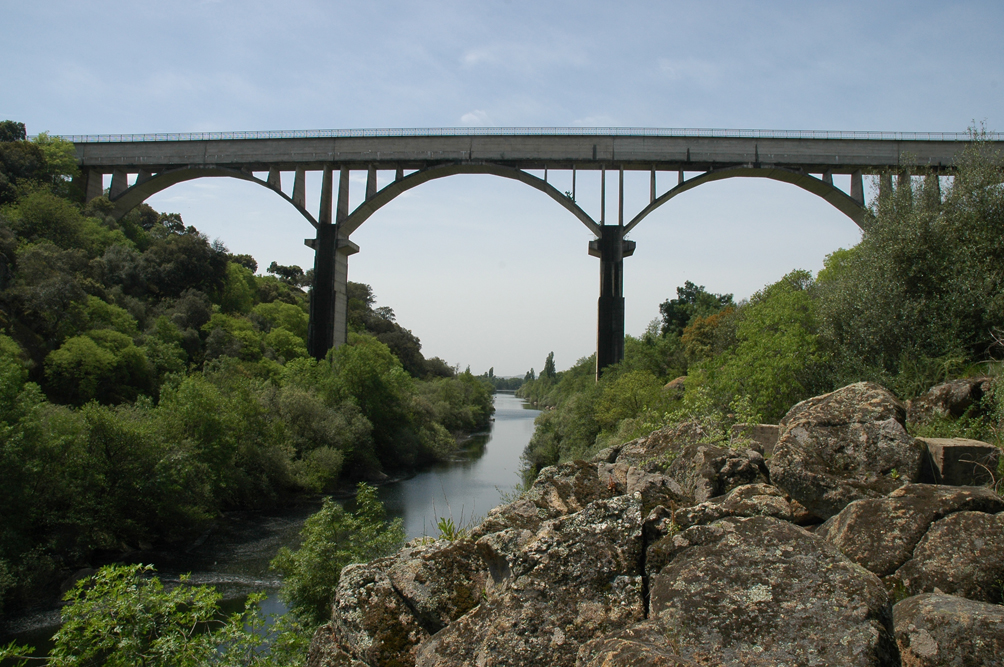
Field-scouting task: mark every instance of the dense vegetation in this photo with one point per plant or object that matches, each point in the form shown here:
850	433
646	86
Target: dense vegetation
149	379
919	300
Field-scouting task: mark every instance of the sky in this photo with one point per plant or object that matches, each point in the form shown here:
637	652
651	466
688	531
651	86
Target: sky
485	271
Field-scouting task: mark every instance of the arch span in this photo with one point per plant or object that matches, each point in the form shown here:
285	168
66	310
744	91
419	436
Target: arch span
141	191
389	192
831	194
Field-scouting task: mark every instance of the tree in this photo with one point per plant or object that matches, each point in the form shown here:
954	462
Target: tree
12	131
691	301
123	617
548	371
291	275
332	539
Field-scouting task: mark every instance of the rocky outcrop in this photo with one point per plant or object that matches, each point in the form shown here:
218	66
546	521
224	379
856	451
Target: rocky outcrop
757	591
881	534
675	549
935	630
579	577
962	554
950	400
845	446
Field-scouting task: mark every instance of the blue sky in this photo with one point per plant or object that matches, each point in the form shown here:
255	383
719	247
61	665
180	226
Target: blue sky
488	272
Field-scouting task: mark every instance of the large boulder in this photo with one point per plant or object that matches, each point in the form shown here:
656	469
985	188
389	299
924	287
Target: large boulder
743	501
709	471
579	577
935	630
950	400
845	446
757	591
962	554
881	534
656	450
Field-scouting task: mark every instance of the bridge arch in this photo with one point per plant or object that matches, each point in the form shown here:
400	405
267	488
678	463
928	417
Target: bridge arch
136	194
391	191
834	196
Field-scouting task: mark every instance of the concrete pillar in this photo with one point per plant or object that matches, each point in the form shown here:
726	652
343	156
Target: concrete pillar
275	179
120	183
93	185
343	194
904	181
399	174
857	187
603	194
651	188
328	326
371	182
679	179
300	188
573	182
611	249
828	177
620	197
324	214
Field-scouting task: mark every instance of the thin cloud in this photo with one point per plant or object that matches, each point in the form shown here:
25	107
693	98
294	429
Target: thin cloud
476	118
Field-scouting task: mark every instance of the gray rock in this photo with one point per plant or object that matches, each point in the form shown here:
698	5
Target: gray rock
708	471
934	630
844	446
659	449
949	400
578	577
744	501
761	437
325	652
962	554
961	461
762	591
370	620
880	534
642	645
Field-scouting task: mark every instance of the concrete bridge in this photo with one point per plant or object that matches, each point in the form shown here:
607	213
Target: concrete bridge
142	165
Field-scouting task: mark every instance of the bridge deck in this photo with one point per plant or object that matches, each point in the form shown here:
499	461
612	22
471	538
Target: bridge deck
527	151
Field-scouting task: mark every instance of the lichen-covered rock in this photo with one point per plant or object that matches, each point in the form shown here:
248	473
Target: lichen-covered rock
962	554
934	630
880	534
747	500
641	645
370	620
655	489
443	581
707	471
949	400
659	448
761	591
761	437
325	652
578	577
845	446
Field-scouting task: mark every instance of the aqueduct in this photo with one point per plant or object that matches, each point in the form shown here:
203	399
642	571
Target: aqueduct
142	165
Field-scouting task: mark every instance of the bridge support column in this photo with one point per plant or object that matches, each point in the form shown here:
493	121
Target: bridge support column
611	248
329	323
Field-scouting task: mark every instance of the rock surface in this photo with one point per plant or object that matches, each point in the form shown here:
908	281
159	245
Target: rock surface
949	400
708	471
845	446
760	591
881	534
577	578
962	554
935	630
743	501
961	461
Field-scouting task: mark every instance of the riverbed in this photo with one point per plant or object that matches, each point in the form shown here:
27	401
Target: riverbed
235	554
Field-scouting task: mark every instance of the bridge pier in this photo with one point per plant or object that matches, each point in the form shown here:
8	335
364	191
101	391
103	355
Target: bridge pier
328	326
611	248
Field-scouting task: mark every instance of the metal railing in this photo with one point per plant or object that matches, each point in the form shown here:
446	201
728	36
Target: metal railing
531	131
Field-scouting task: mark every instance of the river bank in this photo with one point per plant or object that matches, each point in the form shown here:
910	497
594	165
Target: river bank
234	555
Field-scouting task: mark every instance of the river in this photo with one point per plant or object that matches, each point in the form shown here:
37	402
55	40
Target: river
235	554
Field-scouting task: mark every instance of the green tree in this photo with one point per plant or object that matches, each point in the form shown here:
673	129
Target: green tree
691	301
332	539
549	371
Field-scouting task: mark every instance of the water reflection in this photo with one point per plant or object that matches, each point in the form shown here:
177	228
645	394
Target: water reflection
470	486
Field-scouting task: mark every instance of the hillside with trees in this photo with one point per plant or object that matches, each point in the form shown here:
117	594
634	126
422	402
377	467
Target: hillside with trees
919	300
149	379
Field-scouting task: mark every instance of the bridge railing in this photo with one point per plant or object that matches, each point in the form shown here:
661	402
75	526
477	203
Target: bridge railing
530	131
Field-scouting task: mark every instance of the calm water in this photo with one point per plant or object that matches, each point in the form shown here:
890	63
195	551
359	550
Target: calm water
234	556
